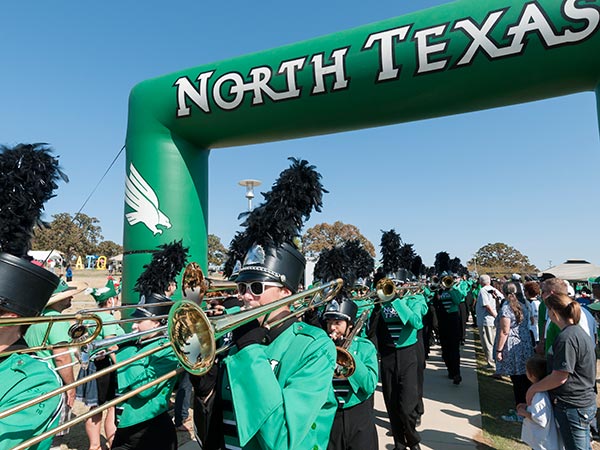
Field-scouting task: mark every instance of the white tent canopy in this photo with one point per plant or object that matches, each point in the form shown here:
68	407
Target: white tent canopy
575	270
46	255
118	258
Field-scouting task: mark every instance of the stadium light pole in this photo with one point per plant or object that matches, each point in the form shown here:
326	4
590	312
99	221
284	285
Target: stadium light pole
250	185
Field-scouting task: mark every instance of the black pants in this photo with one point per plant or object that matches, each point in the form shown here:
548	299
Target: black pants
520	385
399	376
430	328
464	315
421	363
450	333
354	428
158	433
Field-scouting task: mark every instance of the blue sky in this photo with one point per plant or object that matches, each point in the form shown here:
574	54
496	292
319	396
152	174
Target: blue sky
524	175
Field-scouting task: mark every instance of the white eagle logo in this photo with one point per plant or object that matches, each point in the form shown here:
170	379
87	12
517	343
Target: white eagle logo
142	198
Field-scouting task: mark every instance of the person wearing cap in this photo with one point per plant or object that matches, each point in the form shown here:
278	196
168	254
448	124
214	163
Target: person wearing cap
143	420
550	330
445	302
397	330
103	389
273	390
24	290
354	423
58	333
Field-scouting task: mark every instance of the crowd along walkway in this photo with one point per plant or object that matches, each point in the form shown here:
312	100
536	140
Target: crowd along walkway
452	419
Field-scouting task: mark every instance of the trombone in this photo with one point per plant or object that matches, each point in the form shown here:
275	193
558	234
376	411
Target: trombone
345	364
192	335
77	331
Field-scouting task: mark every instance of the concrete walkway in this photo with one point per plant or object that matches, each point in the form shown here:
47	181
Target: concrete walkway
452	419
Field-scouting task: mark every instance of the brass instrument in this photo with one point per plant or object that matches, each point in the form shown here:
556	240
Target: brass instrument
194	335
120	308
197	339
387	290
78	332
447	282
101	347
345	363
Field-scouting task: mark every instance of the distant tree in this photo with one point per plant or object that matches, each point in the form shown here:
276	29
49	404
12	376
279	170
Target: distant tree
216	250
457	267
500	259
71	235
109	249
442	262
324	236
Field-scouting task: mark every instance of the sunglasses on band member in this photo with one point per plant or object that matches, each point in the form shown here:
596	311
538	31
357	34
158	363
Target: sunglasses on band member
256	287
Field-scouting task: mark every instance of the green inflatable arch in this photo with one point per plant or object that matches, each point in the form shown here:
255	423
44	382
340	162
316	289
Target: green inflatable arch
458	57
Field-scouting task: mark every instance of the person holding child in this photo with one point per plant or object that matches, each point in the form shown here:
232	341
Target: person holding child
539	430
571	382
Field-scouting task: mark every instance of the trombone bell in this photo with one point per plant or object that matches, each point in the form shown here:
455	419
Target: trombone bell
192	337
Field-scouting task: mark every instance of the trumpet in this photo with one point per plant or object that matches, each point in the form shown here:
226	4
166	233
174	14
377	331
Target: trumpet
345	364
192	335
386	290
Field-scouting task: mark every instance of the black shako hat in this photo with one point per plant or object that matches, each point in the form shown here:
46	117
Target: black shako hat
266	250
24	287
29	177
145	308
283	264
342	310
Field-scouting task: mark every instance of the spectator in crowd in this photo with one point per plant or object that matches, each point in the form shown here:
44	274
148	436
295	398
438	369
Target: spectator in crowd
585	297
551	330
486	313
69	273
532	293
514	345
571	383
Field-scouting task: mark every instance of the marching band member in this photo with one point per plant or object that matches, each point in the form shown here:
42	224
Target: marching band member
24	377
103	389
446	301
144	421
354	423
397	328
29	175
273	390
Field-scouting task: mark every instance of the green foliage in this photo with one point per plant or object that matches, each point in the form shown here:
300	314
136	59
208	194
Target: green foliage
500	259
78	235
109	249
326	236
216	250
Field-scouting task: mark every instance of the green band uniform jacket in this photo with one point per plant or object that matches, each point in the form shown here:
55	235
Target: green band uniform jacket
281	393
155	400
404	317
24	378
362	383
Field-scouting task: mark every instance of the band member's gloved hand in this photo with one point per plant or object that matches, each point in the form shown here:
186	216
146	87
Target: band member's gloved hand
250	333
231	302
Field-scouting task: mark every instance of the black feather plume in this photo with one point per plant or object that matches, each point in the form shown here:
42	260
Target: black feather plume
292	198
236	252
29	177
348	262
165	265
390	251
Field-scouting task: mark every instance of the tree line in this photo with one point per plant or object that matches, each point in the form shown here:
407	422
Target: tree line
82	235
